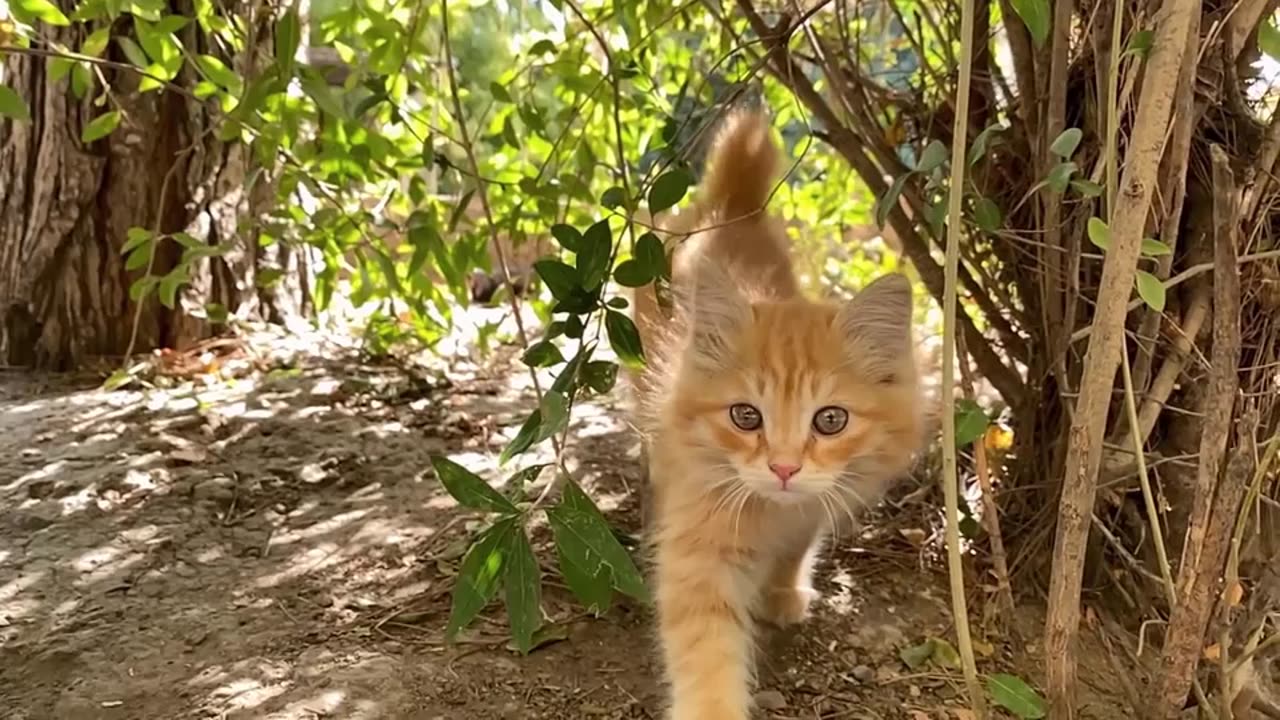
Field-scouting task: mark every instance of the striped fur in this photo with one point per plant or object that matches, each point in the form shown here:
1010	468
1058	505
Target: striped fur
733	547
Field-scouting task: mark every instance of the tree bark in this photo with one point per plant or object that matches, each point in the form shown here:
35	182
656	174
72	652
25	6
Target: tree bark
66	208
1084	453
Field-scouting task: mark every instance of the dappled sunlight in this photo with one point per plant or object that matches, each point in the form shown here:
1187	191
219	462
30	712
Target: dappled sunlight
10	594
104	563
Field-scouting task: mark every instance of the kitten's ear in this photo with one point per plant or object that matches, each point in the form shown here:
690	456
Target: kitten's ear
716	312
877	324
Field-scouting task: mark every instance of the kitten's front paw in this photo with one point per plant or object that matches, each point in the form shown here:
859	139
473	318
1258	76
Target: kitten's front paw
788	605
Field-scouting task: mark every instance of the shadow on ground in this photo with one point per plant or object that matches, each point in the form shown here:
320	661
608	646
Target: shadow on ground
276	547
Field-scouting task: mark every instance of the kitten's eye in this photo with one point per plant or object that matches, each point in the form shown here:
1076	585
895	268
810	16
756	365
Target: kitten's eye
830	420
745	416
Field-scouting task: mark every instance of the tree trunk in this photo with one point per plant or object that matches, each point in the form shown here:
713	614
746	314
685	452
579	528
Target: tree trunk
66	208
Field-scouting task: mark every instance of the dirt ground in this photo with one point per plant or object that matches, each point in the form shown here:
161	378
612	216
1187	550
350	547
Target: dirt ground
274	545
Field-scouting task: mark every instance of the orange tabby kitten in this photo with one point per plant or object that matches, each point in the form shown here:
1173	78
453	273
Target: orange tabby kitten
766	416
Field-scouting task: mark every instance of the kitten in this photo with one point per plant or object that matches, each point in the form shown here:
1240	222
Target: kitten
767	418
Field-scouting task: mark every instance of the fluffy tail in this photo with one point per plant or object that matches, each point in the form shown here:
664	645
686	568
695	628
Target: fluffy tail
742	165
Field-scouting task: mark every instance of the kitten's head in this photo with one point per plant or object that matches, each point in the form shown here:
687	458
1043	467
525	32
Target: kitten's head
797	399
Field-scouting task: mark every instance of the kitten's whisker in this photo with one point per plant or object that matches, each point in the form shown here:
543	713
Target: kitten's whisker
829	512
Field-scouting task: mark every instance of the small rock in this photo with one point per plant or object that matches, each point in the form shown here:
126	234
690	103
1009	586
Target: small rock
217	488
40	489
313	473
770	700
31	455
864	673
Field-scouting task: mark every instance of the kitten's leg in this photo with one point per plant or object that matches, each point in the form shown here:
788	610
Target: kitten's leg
705	624
788	590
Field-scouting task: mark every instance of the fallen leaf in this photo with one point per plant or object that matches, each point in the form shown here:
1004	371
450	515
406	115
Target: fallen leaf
189	455
916	655
985	649
1213	652
1235	594
998	438
963	714
915	536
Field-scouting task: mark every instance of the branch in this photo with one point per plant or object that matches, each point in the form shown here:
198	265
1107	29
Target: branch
1084	450
1204	551
1003	378
950	477
1024	65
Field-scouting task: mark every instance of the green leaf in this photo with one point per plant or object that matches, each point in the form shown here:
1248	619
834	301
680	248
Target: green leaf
100	127
584	537
523	439
220	73
142	287
544	353
499	93
916	656
59	68
1269	38
478	577
944	653
652	256
1037	16
554	411
542	47
1064	146
468	488
1060	176
988	137
1154	248
1151	290
668	189
889	200
1014	694
561	279
29	11
935	153
169	285
613	198
96	42
288	38
135	237
139	258
132	51
568	237
630	273
593	255
460	209
987	215
1087	188
524	590
82	80
624	338
324	96
12	105
1141	42
1099	233
509	135
117	380
971	422
593	586
600	375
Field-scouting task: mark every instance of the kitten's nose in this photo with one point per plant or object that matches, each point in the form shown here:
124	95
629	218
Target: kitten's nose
784	472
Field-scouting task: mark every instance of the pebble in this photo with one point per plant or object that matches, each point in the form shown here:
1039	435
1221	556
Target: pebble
771	700
217	488
864	674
